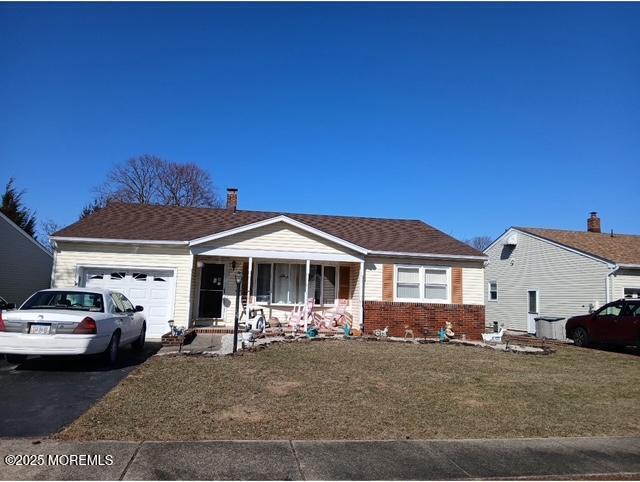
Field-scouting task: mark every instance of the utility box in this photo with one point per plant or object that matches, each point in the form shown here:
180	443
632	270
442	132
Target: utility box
551	327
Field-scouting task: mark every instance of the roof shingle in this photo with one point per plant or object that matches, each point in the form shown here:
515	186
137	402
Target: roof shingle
619	248
169	223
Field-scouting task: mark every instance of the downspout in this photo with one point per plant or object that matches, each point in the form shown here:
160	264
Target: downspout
607	281
53	264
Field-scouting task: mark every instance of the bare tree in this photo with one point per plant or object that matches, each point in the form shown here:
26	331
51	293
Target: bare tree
479	242
186	185
135	181
150	179
47	228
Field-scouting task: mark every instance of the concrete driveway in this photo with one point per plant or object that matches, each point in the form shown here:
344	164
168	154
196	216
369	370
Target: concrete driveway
44	394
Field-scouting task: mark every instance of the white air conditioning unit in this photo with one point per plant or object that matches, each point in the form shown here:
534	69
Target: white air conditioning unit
512	240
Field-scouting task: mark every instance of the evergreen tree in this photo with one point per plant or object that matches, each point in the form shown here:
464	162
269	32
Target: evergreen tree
12	207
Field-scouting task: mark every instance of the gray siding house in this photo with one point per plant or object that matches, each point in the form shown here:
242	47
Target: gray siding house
25	266
535	272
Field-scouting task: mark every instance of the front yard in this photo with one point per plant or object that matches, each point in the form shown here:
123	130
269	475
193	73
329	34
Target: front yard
359	390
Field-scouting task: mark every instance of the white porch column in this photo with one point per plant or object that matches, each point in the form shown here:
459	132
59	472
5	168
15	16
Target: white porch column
361	282
306	292
249	284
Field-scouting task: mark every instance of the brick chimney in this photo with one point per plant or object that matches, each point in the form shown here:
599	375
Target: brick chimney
593	223
232	199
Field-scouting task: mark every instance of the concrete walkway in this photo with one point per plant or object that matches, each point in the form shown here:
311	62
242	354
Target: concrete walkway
559	458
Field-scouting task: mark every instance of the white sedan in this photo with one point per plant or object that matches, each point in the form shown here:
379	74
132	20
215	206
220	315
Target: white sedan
72	321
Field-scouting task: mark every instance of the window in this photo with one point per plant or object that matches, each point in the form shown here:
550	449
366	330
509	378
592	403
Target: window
125	302
140	276
533	301
284	283
263	284
435	284
632	292
322	284
634	309
117	303
422	283
611	310
117	275
409	283
68	300
493	291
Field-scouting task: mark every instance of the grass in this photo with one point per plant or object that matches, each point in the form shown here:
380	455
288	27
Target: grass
358	390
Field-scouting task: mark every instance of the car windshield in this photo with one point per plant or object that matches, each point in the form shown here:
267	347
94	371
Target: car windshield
64	300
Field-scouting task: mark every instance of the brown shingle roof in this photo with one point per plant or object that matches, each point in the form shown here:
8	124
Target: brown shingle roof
168	223
621	248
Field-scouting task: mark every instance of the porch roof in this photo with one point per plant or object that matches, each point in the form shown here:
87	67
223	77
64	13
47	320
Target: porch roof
267	254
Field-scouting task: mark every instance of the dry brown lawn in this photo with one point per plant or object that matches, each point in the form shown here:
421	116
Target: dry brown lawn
361	390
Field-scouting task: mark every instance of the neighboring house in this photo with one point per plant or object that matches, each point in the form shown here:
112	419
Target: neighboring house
181	264
25	265
535	272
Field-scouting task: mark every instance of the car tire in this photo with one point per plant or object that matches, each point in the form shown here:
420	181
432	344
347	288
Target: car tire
580	337
112	351
15	359
138	345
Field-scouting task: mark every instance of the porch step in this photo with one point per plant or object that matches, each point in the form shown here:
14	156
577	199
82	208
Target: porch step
214	329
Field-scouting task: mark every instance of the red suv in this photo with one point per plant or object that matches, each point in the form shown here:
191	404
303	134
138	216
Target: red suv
616	323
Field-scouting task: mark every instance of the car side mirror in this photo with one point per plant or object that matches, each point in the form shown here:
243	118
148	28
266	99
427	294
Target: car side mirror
139	308
10	306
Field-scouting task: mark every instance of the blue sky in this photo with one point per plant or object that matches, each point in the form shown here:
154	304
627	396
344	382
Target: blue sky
471	117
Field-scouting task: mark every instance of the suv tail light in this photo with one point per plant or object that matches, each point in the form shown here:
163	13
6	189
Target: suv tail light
2	327
86	327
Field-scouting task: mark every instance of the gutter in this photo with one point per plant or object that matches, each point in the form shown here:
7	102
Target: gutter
428	255
120	241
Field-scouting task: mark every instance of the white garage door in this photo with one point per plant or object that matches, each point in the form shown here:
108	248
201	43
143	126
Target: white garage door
153	289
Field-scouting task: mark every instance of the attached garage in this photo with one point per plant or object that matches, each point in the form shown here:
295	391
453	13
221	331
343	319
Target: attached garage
152	289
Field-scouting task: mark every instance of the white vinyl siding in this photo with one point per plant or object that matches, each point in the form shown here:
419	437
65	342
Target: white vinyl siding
567	281
473	286
278	237
25	267
72	256
624	279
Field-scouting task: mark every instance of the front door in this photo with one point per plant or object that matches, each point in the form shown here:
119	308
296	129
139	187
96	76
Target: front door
211	291
533	310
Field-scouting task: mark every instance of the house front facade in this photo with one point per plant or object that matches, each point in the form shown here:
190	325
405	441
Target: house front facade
188	265
550	273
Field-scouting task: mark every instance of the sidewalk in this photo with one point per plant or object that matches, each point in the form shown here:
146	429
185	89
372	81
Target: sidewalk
559	458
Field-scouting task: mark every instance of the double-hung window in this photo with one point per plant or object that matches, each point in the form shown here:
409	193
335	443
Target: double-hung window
423	283
493	291
284	283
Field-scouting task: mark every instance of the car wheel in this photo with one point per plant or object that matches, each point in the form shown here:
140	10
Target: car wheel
15	359
111	353
580	337
138	345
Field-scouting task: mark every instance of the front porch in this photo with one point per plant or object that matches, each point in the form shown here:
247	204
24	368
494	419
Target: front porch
277	284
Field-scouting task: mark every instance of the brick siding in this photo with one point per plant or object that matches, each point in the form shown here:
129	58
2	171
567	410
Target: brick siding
425	319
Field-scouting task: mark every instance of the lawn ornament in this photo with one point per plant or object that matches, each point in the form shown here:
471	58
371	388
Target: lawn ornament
448	331
408	333
347	329
493	337
382	333
442	335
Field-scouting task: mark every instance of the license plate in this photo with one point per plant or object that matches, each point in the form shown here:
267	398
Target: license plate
39	329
